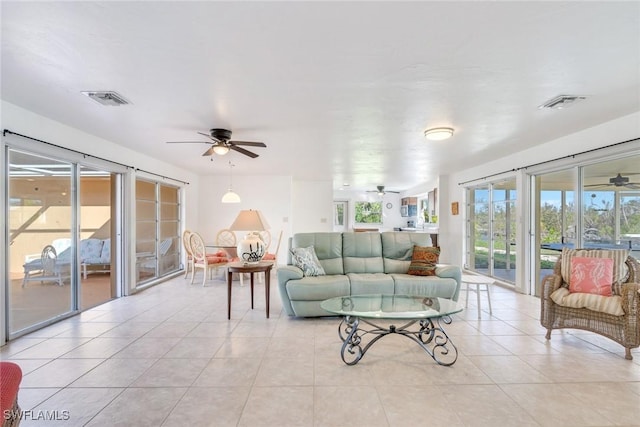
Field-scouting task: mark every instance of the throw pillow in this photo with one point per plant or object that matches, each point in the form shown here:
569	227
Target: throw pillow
424	260
591	275
307	260
619	256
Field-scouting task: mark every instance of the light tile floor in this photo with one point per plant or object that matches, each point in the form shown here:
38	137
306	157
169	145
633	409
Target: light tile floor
169	357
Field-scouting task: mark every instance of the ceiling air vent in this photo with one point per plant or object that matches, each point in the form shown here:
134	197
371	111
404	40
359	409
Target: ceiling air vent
562	101
107	98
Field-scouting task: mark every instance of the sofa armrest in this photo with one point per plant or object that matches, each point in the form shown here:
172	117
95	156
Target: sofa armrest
289	272
550	284
286	273
631	298
451	272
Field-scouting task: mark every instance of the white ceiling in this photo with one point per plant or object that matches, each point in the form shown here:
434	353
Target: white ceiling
340	90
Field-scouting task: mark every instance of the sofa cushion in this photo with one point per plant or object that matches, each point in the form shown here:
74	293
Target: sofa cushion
371	283
428	286
619	256
318	288
397	249
328	247
424	260
591	275
307	261
362	253
610	305
90	249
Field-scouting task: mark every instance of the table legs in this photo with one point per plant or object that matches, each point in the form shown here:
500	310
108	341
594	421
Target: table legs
267	290
229	281
431	337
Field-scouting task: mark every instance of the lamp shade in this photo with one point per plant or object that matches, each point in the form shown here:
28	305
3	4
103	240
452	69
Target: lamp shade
250	220
251	249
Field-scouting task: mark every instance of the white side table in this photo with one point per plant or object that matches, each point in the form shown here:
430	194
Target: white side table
478	281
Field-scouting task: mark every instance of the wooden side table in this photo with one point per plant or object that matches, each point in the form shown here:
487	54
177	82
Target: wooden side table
261	267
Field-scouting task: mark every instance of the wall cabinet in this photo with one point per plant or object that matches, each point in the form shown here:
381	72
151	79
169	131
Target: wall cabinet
409	206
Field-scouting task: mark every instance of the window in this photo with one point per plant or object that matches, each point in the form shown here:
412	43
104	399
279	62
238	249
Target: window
369	212
157	230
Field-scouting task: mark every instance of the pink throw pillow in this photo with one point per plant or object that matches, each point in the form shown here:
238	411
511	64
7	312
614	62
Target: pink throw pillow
591	275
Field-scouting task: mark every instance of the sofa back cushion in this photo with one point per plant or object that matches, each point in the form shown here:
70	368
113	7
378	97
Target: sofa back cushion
362	253
328	247
397	249
90	249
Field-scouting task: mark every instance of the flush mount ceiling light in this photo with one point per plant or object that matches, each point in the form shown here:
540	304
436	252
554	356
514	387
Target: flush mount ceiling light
110	98
438	134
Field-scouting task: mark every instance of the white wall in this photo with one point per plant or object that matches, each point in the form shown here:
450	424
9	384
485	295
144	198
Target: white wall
312	206
452	227
271	195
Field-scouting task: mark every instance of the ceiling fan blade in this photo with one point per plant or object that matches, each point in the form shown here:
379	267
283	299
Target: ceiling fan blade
598	185
249	143
187	142
209	152
213	138
243	151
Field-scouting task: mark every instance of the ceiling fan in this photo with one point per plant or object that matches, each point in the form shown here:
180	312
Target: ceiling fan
222	143
381	192
619	181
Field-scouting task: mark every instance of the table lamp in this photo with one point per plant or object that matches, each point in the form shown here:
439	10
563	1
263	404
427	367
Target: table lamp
251	249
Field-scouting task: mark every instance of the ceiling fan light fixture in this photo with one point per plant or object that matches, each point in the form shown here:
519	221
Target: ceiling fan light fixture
220	149
438	134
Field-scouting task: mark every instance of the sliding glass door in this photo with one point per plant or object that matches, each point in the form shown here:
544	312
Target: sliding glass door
595	206
491	229
63	246
97	258
41	222
157	230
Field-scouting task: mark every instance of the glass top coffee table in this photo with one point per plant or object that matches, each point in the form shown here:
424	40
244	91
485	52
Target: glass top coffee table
407	310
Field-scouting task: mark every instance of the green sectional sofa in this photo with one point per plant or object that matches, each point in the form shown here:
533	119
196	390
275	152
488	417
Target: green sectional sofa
360	263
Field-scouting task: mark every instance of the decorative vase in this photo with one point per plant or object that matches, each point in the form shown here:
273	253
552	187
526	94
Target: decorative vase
251	249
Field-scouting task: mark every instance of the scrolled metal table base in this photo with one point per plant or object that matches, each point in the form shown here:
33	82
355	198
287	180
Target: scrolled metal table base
431	337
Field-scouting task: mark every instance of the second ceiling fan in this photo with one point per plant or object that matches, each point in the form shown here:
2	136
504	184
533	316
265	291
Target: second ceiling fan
222	143
381	191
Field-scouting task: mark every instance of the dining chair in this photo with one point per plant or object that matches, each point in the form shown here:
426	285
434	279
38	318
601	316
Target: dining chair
226	237
201	260
265	236
186	235
273	257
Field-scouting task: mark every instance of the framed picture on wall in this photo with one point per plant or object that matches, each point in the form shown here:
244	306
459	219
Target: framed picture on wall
454	208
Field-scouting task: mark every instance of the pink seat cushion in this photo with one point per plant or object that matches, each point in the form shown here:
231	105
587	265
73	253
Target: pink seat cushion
10	377
213	259
269	257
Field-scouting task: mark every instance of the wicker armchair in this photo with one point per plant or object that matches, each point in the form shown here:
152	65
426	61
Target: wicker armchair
624	329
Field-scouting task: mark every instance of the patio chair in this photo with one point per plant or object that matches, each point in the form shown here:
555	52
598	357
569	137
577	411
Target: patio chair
616	316
46	269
